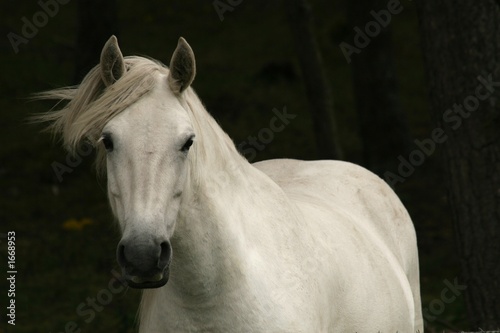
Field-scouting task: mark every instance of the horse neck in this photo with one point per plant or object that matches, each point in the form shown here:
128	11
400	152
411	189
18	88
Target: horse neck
208	241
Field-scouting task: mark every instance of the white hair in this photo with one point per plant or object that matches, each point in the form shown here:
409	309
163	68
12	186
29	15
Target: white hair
91	105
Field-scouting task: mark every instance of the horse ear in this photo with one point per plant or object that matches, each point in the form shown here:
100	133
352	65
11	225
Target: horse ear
182	67
112	63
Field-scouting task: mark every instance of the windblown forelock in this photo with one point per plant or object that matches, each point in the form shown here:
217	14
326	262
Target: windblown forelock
137	82
91	105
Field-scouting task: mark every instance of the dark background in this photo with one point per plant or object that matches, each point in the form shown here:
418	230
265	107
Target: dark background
247	66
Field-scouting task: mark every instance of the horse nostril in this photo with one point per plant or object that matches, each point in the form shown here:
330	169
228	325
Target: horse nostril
143	257
165	255
120	255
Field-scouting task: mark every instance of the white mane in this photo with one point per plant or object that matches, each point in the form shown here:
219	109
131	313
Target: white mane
91	105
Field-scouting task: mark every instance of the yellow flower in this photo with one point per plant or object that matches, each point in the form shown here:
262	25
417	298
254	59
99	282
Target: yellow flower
74	224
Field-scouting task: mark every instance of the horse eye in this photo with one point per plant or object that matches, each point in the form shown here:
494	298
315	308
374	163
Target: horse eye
187	145
107	142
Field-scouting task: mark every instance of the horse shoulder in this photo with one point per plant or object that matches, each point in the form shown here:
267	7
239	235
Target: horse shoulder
358	231
349	190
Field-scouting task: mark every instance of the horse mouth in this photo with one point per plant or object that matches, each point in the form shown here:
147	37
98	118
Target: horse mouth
140	282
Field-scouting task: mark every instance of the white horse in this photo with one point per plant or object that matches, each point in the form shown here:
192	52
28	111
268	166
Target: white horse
222	245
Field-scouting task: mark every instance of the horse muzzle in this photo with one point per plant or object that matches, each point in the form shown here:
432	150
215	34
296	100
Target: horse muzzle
144	261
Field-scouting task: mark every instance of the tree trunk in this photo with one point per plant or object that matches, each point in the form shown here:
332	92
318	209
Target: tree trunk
461	46
383	124
97	21
317	88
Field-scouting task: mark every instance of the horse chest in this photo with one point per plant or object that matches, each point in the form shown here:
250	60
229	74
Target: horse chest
235	313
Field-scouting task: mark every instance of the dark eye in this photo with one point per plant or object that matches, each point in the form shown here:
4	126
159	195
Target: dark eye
107	141
187	145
